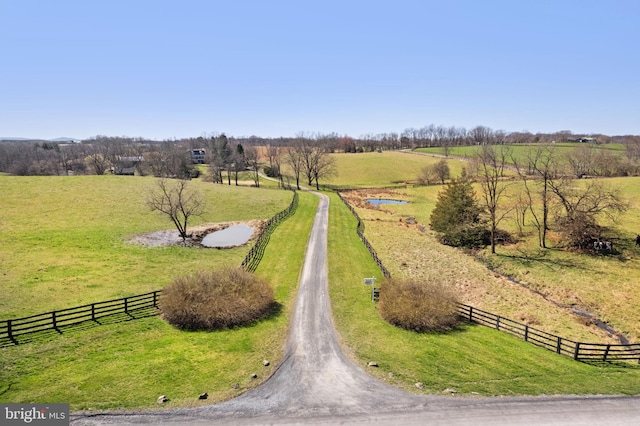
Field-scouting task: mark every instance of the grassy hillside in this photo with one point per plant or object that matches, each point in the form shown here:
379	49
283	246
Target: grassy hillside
596	284
130	363
520	150
63	240
473	359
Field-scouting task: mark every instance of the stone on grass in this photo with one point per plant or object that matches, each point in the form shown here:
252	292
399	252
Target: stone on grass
203	396
372	364
162	399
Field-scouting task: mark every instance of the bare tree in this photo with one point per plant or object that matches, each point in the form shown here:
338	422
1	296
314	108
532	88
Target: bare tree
293	159
582	207
251	158
540	170
177	201
491	163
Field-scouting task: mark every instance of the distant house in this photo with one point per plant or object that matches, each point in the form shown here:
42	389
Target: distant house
198	156
126	165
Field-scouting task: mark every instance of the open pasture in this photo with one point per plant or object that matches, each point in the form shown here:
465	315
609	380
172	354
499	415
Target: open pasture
126	362
520	151
64	240
543	285
387	168
472	360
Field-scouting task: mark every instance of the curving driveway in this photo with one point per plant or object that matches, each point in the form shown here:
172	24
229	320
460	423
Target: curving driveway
317	384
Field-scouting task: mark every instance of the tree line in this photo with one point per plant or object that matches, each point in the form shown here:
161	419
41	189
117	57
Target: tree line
305	153
550	196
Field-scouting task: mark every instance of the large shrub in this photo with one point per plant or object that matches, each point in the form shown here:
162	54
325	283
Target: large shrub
210	300
417	305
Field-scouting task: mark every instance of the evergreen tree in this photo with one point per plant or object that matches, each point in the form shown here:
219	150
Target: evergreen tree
456	216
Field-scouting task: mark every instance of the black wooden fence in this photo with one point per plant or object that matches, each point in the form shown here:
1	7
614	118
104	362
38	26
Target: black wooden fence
577	350
11	329
253	258
360	231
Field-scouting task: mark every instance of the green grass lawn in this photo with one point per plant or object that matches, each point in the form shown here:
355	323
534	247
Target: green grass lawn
130	363
388	168
471	360
63	240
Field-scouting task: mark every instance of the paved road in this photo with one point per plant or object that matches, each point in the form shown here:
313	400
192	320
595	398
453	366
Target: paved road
317	384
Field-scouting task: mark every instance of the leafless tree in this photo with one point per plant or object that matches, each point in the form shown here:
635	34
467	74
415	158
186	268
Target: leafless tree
293	159
252	161
581	160
538	170
582	206
492	160
176	200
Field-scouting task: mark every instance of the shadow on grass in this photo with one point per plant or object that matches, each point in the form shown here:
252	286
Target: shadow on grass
273	311
542	258
628	365
44	335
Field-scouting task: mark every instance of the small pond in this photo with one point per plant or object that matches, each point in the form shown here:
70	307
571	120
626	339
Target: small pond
378	201
228	237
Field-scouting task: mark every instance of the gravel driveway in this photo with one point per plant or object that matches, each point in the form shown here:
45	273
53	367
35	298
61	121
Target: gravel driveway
317	384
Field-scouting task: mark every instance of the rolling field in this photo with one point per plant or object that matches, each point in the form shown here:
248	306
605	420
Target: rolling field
63	240
388	168
520	151
472	360
128	363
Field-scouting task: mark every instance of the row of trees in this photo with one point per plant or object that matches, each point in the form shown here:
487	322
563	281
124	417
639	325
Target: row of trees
550	197
103	154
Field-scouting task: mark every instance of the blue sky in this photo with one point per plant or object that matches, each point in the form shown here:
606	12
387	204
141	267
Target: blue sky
172	69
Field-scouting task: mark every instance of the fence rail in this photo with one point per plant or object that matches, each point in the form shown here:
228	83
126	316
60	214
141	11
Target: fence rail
577	350
360	231
253	258
54	320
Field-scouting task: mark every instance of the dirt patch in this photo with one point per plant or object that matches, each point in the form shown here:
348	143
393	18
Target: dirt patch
170	237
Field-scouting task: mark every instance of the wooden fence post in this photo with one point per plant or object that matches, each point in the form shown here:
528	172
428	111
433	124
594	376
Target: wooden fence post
53	320
606	353
526	332
498	323
155	299
9	330
126	310
576	353
93	312
559	347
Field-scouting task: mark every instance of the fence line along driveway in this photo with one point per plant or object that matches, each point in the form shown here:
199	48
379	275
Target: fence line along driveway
317	384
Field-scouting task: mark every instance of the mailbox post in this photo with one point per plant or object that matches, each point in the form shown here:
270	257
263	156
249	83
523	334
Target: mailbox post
372	282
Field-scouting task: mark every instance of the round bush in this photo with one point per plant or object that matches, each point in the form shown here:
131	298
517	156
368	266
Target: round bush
416	305
213	300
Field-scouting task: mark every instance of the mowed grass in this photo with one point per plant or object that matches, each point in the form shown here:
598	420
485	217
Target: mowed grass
472	360
130	363
63	240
